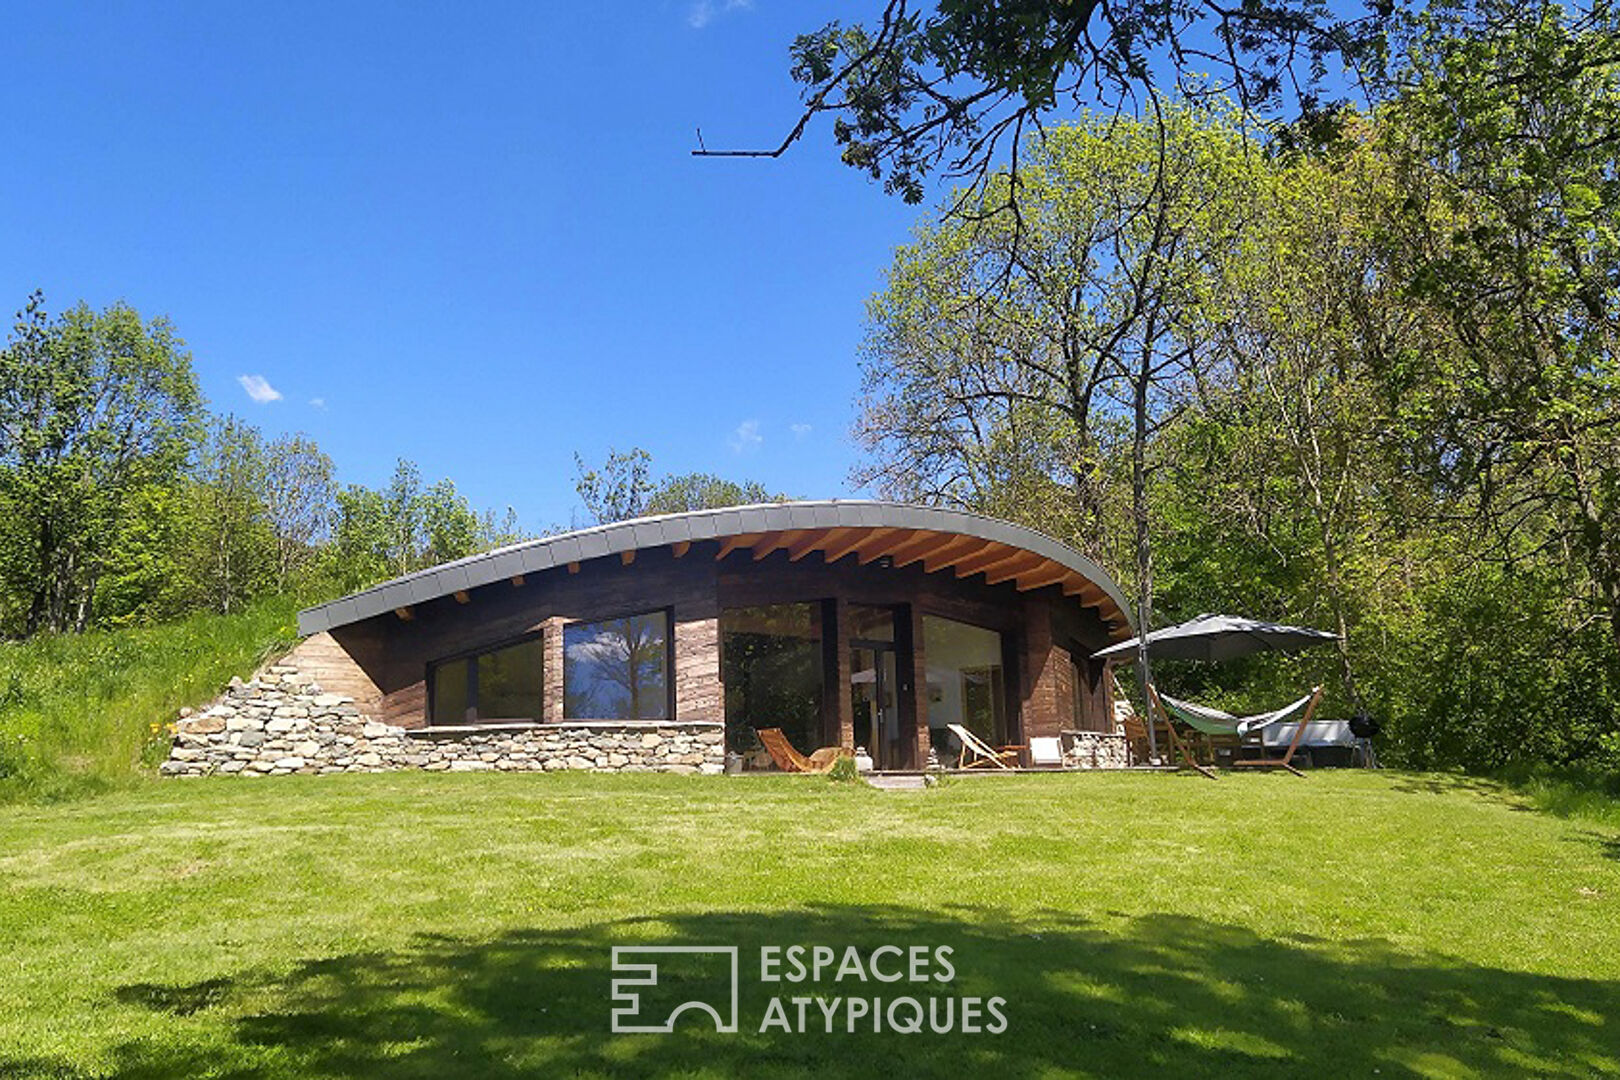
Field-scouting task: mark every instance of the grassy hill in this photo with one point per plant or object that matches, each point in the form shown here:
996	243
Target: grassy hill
411	925
77	711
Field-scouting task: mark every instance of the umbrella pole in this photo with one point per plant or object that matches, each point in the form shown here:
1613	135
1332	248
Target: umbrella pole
1144	683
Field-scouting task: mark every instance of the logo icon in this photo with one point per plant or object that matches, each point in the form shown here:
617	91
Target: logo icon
640	963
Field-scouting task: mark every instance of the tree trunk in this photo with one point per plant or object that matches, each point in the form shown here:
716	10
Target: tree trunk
1144	550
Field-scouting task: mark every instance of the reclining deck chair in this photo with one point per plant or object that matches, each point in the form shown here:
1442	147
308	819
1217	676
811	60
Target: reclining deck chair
1215	722
983	754
789	759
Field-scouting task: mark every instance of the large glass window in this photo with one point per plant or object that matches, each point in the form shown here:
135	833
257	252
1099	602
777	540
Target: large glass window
501	684
965	681
770	662
617	669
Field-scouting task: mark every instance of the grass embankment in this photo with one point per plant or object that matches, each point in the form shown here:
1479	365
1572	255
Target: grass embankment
404	926
77	710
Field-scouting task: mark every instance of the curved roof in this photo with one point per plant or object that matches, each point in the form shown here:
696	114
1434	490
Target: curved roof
966	542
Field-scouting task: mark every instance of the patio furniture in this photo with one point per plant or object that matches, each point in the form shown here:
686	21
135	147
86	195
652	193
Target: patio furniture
1178	745
789	759
1214	721
983	754
1046	752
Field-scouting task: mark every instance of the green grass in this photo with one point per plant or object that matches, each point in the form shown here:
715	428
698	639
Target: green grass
77	710
432	926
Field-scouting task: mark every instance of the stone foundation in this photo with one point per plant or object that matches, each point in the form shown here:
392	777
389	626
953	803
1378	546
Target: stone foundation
282	722
1096	750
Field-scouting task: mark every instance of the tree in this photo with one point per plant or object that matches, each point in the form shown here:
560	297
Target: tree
617	491
230	524
623	489
948	84
299	501
94	407
1507	138
1081	322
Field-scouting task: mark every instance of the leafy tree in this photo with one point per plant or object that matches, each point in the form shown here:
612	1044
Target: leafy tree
231	527
94	407
946	85
623	488
299	501
1508	142
618	490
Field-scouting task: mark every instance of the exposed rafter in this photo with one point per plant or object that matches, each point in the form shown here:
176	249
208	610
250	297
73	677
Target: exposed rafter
680	547
958	548
733	543
1039	579
879	548
812	541
1022	564
972	564
837	548
994	566
775	542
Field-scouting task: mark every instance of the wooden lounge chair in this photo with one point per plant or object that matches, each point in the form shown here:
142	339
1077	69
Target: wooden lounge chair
789	759
983	755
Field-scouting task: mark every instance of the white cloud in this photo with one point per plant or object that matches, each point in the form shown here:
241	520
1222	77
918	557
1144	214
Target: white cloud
259	389
704	12
318	402
746	437
799	430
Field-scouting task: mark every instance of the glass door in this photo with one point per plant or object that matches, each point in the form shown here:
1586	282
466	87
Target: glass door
872	686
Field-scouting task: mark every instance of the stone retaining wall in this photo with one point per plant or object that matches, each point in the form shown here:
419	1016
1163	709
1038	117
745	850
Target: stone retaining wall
282	722
1096	750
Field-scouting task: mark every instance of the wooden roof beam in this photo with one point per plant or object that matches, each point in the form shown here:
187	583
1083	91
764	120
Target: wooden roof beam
732	543
680	547
906	554
1054	573
994	552
963	546
1023	564
990	562
774	542
839	546
870	553
812	540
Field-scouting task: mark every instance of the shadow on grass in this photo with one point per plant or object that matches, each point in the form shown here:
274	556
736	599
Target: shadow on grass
1157	995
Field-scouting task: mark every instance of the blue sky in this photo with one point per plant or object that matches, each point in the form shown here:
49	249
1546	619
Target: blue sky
471	235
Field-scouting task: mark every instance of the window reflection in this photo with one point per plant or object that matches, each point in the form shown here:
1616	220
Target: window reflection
770	662
617	669
965	681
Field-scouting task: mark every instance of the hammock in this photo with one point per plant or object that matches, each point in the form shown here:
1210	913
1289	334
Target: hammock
1215	722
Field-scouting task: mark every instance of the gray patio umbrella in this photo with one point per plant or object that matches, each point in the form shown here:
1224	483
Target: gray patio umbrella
1219	637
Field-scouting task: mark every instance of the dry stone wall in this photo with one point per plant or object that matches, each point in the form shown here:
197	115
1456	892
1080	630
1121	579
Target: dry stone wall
1096	750
281	722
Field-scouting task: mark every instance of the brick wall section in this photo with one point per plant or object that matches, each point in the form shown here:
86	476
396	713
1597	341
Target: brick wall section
1044	711
698	693
551	642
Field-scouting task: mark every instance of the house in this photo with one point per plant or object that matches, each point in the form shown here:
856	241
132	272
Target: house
861	624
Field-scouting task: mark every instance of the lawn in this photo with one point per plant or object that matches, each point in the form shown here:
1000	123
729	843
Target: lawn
460	926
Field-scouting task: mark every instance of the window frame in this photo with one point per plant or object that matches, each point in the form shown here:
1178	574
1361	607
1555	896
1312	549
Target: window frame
668	612
470	657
